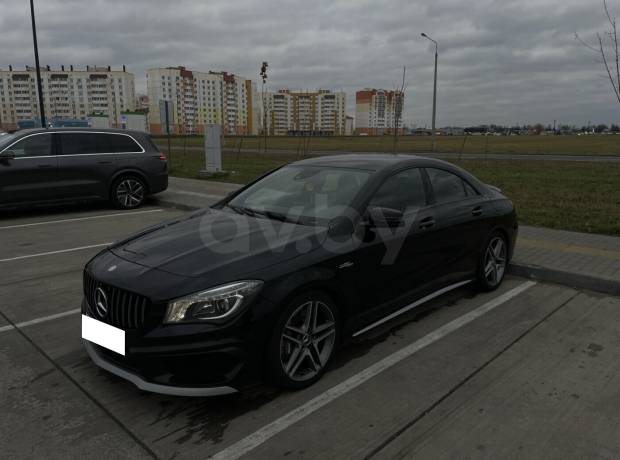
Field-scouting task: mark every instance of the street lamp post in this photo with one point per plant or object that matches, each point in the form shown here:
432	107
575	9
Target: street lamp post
434	90
38	69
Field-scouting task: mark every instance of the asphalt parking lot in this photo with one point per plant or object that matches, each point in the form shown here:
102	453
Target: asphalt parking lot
528	371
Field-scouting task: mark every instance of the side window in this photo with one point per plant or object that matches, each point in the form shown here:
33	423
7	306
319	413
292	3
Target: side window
119	143
403	191
33	146
448	187
83	143
469	189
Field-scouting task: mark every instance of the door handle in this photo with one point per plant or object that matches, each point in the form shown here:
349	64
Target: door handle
45	166
477	211
427	222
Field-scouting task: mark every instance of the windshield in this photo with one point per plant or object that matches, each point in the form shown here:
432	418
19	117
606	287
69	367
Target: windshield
303	194
6	139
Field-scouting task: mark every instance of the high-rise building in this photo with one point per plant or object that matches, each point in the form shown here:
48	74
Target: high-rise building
142	103
67	94
378	111
197	98
321	112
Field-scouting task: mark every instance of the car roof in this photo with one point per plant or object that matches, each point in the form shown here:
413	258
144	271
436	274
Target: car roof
23	132
372	161
386	163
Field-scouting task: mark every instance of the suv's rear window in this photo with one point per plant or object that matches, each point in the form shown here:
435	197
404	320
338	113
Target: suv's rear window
151	143
122	143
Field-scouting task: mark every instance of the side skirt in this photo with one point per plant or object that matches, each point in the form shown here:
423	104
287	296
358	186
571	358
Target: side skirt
412	306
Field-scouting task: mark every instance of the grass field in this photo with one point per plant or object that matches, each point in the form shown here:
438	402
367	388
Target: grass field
568	145
579	196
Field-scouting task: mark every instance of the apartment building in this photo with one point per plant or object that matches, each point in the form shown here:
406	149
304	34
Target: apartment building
378	111
142	103
68	93
321	112
198	98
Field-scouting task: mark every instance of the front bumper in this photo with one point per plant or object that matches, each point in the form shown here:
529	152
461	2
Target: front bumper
163	358
141	383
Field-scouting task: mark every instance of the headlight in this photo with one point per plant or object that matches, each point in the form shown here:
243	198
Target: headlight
215	303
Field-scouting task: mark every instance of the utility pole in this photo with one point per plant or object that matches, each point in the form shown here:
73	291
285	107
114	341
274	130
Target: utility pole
38	69
434	90
166	106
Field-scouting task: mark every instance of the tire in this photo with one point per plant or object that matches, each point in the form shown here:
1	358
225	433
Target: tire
128	192
493	262
297	355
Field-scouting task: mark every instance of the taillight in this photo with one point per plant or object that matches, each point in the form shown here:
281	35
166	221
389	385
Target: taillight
162	157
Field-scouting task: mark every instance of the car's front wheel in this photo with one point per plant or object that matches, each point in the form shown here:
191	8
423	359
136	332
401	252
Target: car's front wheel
304	341
493	262
128	192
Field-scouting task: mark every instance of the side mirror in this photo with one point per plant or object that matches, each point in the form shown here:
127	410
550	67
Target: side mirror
341	226
385	217
7	155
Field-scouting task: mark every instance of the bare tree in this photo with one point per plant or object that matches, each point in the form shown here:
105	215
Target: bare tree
398	103
263	75
607	48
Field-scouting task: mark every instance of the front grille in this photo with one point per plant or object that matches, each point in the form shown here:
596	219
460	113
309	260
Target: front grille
125	309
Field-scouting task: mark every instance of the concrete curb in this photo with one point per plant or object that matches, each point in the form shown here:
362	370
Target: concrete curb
576	280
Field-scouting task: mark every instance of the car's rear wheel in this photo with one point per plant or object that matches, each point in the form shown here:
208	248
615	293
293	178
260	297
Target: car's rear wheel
128	192
493	262
304	341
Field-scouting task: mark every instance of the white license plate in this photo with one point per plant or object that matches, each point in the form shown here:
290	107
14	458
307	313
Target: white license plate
103	334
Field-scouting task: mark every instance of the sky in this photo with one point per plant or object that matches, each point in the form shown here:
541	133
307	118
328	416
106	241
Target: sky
500	61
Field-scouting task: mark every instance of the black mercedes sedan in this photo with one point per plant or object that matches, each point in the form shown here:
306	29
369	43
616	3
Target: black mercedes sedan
267	283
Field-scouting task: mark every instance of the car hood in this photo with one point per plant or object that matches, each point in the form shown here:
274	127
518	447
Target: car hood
218	240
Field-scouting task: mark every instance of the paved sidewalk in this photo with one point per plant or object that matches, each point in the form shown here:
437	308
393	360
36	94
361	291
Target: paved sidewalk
579	260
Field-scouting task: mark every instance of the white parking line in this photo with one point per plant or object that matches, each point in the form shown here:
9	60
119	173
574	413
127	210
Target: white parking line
76	219
29	256
257	438
43	319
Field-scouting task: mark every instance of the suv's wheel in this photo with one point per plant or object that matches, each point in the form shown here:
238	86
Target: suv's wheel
128	192
493	261
304	341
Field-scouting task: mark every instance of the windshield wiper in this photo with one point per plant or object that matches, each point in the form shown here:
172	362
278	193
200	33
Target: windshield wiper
276	216
240	210
273	215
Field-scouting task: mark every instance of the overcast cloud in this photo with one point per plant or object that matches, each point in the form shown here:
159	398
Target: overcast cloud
500	61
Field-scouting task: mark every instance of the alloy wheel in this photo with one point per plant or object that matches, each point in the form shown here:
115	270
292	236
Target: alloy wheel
307	340
130	193
495	261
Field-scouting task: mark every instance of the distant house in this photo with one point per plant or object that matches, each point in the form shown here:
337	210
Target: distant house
99	121
421	132
452	131
136	121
